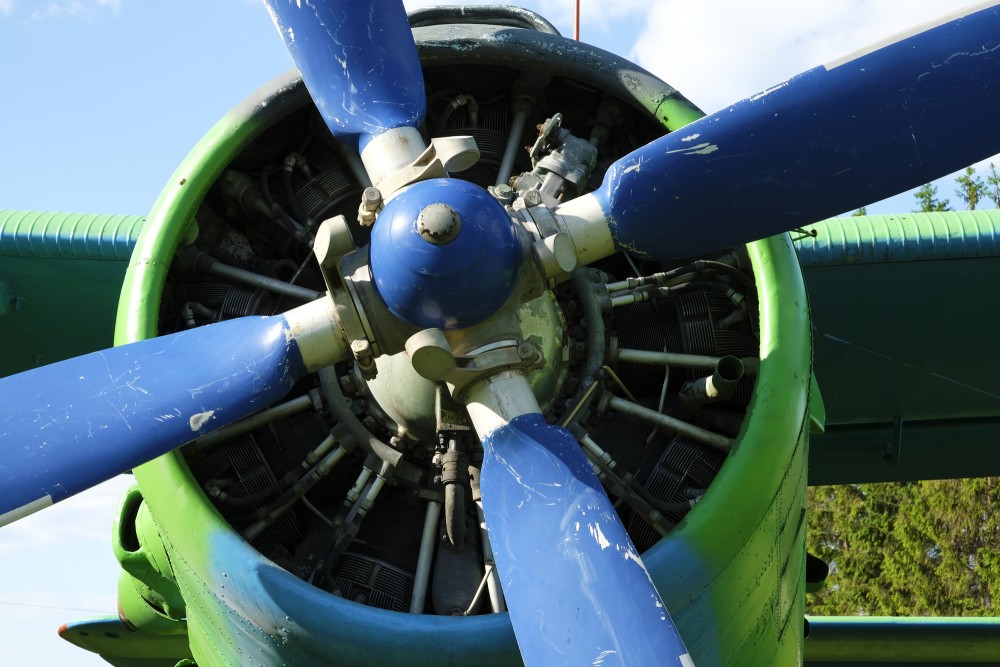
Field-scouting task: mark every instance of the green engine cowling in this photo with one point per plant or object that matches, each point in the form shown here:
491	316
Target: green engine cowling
732	573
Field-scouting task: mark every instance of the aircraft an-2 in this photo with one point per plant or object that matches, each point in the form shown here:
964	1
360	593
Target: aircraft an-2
397	391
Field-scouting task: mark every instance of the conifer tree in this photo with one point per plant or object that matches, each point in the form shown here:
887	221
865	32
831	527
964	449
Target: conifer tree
970	188
993	185
928	201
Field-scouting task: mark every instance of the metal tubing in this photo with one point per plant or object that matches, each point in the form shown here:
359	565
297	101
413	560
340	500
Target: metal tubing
493	582
300	488
289	478
354	163
369	498
633	492
425	559
750	364
521	110
359	485
617	487
217	268
341	410
479	591
595	450
255	420
584	284
671	424
718	386
629	298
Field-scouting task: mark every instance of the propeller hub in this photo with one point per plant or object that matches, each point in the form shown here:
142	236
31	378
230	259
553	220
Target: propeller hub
444	254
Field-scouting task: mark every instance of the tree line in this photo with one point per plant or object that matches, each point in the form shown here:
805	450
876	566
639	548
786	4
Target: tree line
929	548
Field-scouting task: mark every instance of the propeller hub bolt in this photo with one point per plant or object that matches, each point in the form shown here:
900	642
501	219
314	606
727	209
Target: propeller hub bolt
439	223
532	198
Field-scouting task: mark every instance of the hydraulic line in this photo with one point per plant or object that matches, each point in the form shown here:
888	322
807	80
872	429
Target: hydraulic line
522	108
585	283
616	487
266	515
289	477
286	183
426	557
358	502
256	420
671	424
626	486
461	100
341	410
493	581
678	360
479	591
217	268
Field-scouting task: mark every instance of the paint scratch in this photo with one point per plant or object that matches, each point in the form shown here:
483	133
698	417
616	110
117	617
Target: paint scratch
198	420
698	149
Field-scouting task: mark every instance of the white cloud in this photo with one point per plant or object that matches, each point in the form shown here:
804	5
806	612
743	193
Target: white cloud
6	6
719	51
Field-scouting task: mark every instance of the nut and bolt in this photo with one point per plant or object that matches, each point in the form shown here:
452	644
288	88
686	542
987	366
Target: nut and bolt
439	224
532	198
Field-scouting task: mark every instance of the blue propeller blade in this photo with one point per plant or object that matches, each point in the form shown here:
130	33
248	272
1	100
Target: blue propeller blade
358	61
576	588
827	141
73	424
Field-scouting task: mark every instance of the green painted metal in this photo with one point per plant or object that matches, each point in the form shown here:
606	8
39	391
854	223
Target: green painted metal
68	235
122	646
147	592
57	268
744	542
908	237
927	449
878	640
899	353
749	529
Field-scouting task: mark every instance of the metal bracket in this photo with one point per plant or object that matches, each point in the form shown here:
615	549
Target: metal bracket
432	357
9	302
444	155
894	446
553	249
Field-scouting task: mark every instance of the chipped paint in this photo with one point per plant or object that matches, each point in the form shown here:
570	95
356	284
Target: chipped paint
198	420
599	660
598	535
767	91
698	149
568	538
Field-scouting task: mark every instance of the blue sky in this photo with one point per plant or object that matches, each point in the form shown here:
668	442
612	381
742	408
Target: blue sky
103	98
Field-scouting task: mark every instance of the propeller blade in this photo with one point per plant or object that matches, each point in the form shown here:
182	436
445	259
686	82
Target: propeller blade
834	138
576	588
358	61
70	425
